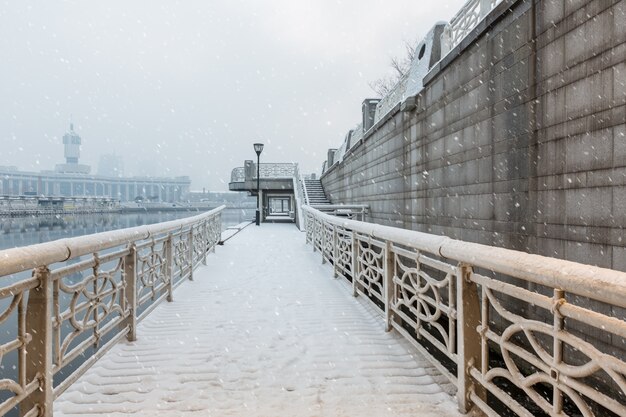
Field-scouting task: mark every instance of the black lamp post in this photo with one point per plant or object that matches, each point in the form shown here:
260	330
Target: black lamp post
258	148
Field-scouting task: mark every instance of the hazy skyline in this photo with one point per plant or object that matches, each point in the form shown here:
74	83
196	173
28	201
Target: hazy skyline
186	88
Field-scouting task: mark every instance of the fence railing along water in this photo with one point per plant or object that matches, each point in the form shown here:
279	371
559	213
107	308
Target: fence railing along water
527	333
85	294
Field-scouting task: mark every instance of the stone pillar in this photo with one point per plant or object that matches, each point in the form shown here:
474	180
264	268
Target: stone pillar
369	111
331	157
249	168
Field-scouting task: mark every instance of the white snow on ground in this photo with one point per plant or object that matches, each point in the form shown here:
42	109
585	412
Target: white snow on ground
264	330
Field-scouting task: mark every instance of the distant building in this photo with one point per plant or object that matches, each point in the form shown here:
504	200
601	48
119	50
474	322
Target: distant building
72	179
71	143
111	165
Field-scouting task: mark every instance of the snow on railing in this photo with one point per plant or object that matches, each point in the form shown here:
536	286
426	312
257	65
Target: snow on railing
514	325
84	295
464	21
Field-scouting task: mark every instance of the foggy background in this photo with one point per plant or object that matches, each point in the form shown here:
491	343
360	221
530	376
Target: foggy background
186	88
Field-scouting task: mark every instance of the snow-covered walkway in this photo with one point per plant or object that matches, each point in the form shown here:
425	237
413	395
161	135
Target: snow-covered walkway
264	330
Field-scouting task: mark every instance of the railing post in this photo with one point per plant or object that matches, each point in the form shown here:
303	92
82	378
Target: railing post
314	231
355	264
335	250
388	285
39	350
130	279
169	268
323	244
217	224
557	348
468	338
205	241
190	253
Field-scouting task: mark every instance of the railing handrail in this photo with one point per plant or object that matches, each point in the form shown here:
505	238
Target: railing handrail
584	279
27	257
340	206
285	164
306	193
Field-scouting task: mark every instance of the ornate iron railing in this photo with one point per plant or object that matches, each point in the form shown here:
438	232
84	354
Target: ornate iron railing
85	294
464	21
540	335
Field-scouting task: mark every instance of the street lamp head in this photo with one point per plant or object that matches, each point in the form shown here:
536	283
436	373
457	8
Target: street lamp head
258	148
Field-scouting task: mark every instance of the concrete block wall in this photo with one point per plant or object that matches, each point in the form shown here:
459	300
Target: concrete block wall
517	140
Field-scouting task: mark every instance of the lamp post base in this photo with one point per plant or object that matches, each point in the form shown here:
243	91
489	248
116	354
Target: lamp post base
258	217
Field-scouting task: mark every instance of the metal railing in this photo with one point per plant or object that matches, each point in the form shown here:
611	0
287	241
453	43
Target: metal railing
84	295
464	21
536	333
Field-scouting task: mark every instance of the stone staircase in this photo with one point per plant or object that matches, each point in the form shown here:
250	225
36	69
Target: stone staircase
315	192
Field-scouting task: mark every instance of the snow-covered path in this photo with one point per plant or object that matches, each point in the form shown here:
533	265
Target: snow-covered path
264	330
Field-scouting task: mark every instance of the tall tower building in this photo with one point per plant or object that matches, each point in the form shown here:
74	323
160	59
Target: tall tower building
71	143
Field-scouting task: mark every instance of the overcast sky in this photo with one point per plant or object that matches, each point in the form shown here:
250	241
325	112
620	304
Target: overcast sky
186	88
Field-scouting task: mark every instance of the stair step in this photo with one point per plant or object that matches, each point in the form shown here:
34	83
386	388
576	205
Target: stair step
315	192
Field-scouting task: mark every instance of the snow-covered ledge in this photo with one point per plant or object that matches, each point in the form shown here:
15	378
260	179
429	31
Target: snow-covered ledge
484	315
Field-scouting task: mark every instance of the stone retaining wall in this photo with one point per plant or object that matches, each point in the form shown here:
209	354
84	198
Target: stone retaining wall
517	140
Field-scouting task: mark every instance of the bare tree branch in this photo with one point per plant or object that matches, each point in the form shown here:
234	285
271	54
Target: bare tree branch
401	67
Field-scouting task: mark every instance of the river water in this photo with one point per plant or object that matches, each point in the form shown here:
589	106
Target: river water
23	231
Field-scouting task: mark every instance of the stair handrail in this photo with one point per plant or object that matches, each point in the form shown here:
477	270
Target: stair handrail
306	194
299	196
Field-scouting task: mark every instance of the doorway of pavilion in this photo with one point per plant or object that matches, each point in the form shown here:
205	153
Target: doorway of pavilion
280	207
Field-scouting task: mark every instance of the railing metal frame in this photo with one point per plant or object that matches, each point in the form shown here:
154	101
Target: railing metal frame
112	281
459	302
